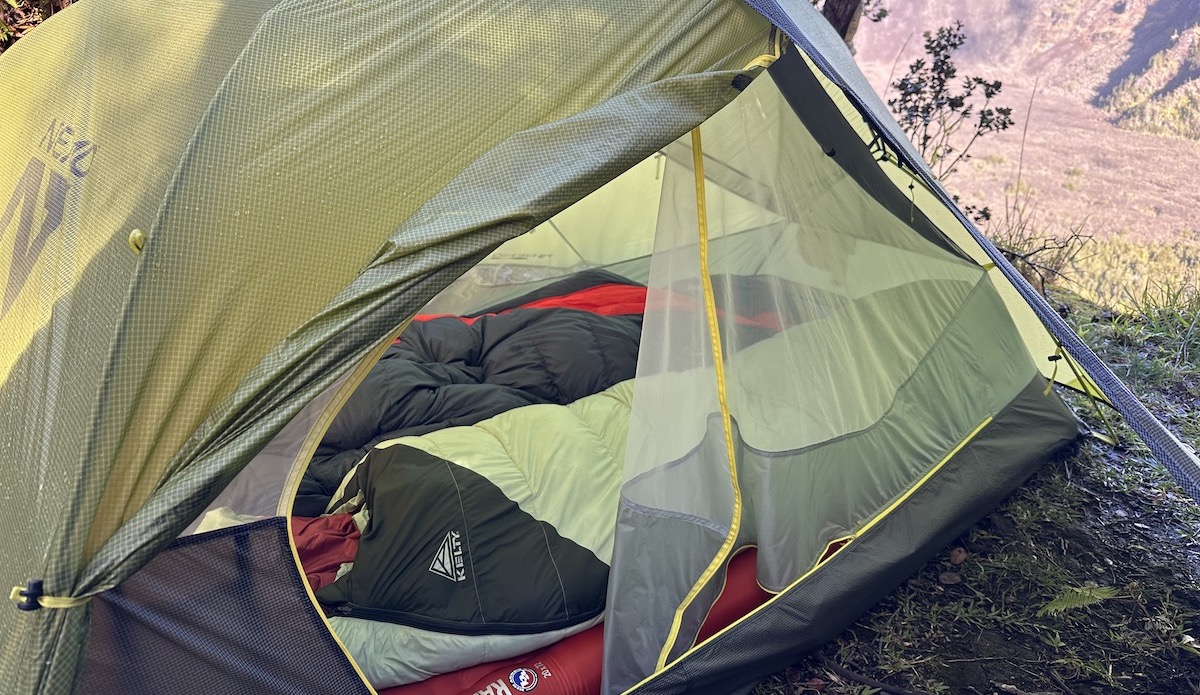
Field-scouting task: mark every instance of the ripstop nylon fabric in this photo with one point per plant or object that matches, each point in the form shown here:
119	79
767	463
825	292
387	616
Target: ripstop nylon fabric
65	266
321	135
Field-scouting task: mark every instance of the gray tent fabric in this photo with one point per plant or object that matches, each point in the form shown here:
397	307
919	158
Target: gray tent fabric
143	620
875	408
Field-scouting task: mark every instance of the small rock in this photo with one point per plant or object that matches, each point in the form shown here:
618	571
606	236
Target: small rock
1003	525
949	578
1014	690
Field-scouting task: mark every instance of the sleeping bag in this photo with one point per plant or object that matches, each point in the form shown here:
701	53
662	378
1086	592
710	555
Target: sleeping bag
482	542
575	338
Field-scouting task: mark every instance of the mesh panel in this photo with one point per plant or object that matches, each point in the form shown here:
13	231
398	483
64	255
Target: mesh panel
220	613
593	233
817	608
1028	306
843	333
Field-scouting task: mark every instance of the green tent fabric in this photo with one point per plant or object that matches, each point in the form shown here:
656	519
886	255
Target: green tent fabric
223	146
213	215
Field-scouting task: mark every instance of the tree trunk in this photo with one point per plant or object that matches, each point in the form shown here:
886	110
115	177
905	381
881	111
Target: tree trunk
844	16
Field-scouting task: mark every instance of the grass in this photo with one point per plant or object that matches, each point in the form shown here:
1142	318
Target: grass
1154	346
1136	276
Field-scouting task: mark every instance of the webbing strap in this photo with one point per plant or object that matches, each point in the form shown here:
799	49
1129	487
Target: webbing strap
1056	358
30	598
1111	437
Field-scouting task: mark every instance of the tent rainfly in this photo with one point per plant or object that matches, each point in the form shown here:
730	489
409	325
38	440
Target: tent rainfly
784	369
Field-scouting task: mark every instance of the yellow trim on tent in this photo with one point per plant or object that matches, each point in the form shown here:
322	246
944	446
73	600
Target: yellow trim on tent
924	479
765	60
714	334
841	542
316	606
875	520
292	486
725	580
309	446
869	525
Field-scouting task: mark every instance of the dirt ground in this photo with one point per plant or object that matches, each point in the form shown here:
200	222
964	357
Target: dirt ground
1084	581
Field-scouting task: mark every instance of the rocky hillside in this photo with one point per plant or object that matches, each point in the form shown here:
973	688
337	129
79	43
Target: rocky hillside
1118	52
1163	97
1105	93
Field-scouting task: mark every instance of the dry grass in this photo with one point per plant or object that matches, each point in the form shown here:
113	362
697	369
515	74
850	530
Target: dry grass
18	17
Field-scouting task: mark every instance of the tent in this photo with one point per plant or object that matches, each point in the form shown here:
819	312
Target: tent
215	217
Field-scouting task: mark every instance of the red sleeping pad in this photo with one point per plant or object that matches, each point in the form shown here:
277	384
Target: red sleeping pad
572	666
569	667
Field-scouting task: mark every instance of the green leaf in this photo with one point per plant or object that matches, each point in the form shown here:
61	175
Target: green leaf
1076	597
13	3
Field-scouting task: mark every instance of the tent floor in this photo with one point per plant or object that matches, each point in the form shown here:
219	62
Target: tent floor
572	666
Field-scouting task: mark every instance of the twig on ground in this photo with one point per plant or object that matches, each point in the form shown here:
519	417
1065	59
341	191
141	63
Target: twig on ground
894	690
1062	683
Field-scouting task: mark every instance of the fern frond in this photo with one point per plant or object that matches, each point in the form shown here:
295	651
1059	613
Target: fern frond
1076	597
